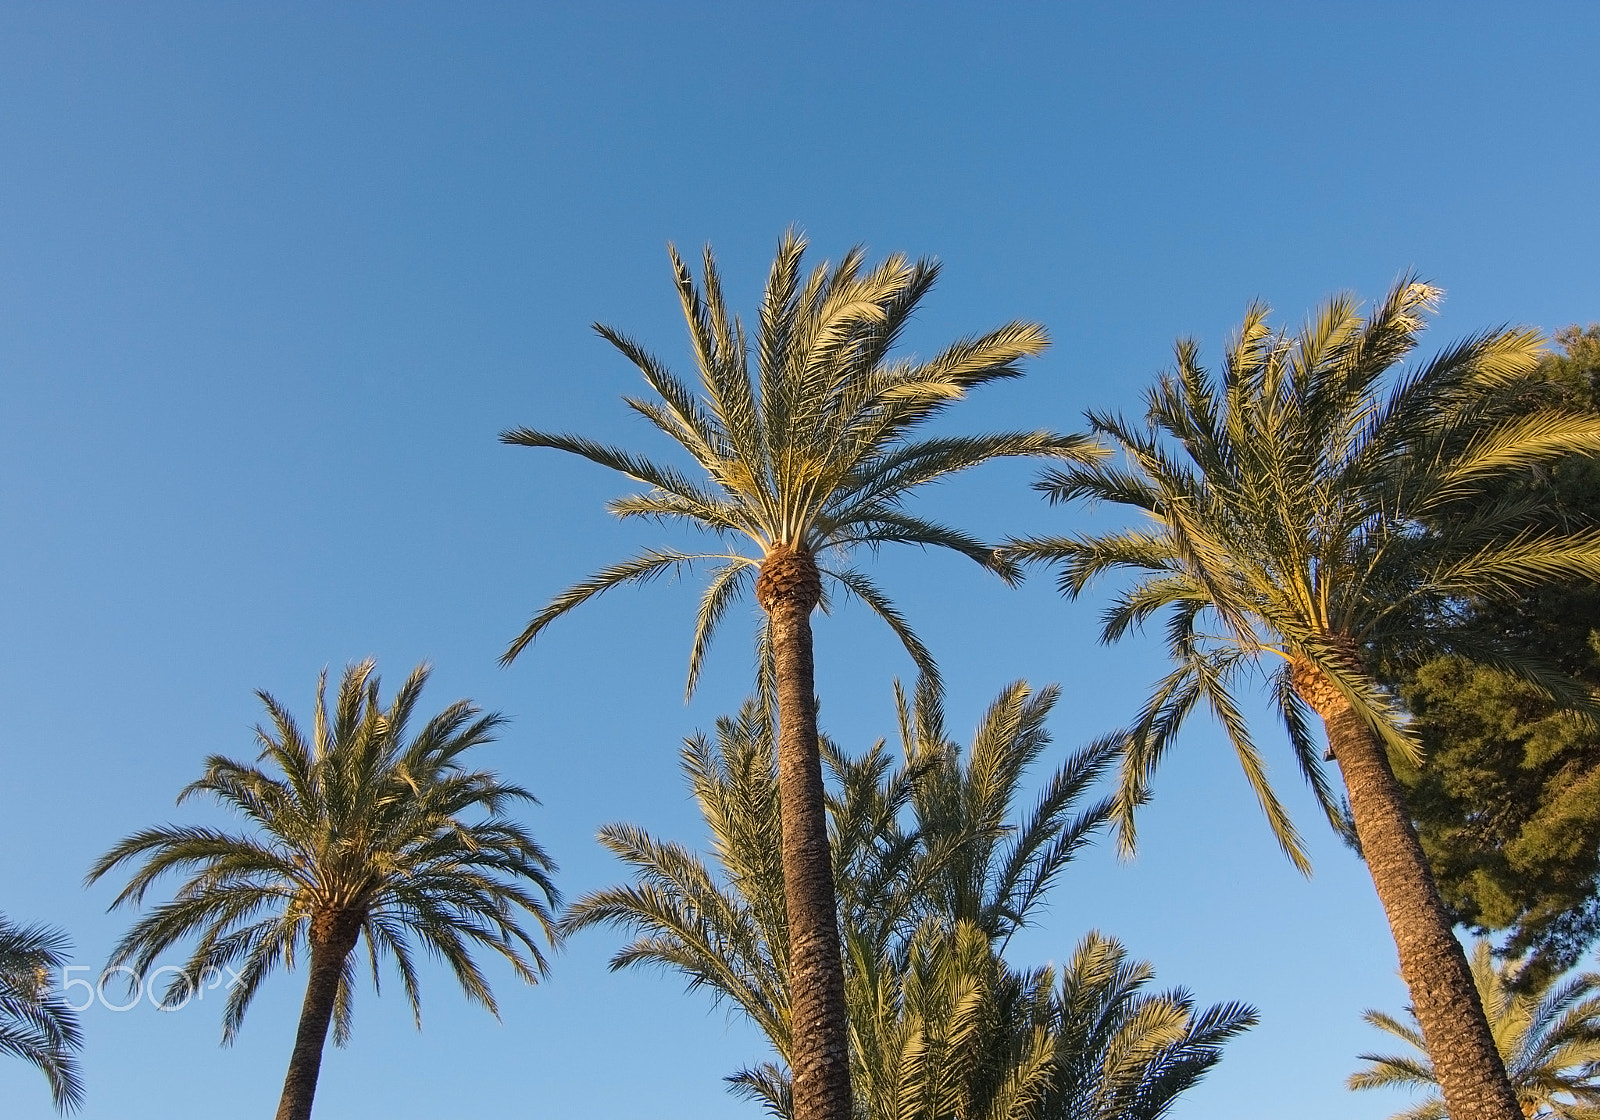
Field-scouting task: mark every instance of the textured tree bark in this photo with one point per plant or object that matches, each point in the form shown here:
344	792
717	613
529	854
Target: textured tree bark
330	945
820	1055
1432	963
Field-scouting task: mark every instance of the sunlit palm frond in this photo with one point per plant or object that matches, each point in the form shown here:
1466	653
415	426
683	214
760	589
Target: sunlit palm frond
649	565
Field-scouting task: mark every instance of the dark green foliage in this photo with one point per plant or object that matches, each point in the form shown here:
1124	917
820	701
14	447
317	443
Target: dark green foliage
1508	803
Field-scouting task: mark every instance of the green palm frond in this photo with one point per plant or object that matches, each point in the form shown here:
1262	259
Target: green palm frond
642	470
648	565
726	587
907	466
768	1084
1046	842
1121	1051
1307	753
861	586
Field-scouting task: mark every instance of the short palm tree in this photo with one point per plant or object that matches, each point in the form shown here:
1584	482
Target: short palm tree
355	833
36	1023
936	868
1283	522
1548	1035
804	462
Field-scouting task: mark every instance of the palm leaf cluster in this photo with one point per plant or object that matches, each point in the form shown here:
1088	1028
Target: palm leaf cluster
353	822
1547	1033
36	1022
809	453
1287	505
935	869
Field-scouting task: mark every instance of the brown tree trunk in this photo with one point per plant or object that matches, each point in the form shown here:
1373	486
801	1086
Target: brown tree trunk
332	940
820	1056
1432	963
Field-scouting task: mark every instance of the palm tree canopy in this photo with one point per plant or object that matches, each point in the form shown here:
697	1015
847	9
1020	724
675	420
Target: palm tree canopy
354	821
1285	506
936	865
36	1022
1548	1035
809	453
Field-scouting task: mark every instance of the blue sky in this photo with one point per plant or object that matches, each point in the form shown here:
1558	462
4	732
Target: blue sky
273	277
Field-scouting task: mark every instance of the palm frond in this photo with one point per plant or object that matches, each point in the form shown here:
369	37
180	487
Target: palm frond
862	587
727	584
648	565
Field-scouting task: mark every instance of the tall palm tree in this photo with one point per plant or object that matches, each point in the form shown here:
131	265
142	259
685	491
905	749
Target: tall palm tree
936	868
1547	1034
354	833
806	461
1283	512
36	1023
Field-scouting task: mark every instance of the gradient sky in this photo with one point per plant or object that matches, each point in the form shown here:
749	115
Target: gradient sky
273	277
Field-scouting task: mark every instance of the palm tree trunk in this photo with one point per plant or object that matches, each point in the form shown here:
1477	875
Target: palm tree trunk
1432	963
820	1056
329	948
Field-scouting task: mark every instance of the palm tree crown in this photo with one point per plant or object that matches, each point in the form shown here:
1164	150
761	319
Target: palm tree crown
355	833
36	1022
809	456
1547	1034
1288	511
936	866
1286	508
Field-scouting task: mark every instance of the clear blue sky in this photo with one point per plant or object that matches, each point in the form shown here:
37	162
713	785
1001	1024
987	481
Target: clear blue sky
273	276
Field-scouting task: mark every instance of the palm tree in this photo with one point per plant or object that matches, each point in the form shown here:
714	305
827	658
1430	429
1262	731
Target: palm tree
36	1023
1548	1036
936	868
1283	522
806	461
354	833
